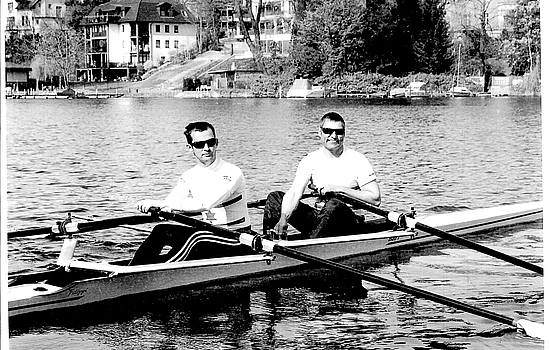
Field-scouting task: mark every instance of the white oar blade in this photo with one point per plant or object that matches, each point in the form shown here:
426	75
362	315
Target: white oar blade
532	329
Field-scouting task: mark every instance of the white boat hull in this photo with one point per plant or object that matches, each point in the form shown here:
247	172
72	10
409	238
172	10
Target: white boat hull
32	293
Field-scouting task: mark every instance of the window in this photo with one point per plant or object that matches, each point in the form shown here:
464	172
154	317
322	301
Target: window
10	7
176	29
157	28
167	29
176	44
157	44
58	12
123	28
167	44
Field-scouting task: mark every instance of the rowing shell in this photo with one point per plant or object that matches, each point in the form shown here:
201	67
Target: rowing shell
77	283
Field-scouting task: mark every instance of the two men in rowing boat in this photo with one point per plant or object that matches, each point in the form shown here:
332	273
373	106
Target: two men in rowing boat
213	189
331	168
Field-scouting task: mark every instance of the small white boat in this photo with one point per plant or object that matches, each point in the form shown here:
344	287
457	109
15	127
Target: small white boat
416	89
303	88
76	283
460	91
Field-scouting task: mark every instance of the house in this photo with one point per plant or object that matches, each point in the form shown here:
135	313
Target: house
47	14
17	77
463	15
18	19
121	35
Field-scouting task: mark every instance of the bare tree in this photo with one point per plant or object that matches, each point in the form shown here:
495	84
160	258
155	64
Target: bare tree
246	10
60	50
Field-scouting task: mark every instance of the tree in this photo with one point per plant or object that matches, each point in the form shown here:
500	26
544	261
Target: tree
432	46
522	44
208	16
254	16
330	40
480	47
60	50
76	10
20	49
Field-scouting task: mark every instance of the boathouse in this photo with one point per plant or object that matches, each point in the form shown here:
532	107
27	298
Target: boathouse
17	76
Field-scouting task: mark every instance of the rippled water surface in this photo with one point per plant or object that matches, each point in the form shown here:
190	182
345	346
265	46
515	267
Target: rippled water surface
97	158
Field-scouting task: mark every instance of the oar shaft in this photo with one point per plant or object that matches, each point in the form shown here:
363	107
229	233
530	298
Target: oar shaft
339	268
391	284
412	223
85	226
480	248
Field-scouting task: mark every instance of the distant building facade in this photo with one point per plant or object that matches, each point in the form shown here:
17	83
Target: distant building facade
33	17
275	23
467	14
122	34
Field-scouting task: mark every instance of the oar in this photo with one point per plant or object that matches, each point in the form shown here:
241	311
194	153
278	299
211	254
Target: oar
412	223
261	202
258	244
66	227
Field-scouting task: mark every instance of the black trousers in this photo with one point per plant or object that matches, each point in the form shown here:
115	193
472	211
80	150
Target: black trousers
335	219
171	243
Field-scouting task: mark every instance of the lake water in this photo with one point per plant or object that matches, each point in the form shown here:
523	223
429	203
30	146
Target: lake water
97	158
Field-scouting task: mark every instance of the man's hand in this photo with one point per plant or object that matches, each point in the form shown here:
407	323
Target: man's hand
145	205
282	226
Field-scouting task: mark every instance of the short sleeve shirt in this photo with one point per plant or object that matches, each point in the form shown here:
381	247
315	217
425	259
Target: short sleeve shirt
351	169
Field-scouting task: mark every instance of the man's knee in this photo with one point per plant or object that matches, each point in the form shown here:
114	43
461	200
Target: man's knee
335	204
274	198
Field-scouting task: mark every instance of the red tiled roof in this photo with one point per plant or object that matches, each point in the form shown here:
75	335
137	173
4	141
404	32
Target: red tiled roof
146	11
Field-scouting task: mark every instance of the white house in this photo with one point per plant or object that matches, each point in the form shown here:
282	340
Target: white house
122	34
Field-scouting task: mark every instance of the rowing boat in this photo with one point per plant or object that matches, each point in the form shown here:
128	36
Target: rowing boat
76	283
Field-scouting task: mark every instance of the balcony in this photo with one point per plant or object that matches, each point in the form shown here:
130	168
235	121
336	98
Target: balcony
101	19
101	34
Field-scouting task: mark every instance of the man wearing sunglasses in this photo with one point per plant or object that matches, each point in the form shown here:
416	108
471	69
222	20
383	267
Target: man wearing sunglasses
332	168
213	190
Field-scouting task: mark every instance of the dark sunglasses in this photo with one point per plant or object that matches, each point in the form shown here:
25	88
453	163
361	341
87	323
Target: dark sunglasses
200	144
329	131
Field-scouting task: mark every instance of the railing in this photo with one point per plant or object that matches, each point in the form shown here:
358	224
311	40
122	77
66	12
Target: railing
101	19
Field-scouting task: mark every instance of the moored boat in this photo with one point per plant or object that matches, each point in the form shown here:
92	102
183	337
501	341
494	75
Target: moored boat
415	89
460	91
74	282
303	88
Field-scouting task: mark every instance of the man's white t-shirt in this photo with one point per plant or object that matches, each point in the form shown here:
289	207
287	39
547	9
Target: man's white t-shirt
351	169
218	188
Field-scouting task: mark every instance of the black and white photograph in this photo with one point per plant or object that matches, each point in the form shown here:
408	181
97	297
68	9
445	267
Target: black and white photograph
272	174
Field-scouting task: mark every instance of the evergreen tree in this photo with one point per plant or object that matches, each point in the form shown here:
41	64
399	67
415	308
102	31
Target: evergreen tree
330	40
432	46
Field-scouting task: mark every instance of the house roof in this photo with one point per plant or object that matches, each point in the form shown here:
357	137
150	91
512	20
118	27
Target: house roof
10	66
246	65
417	84
146	11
